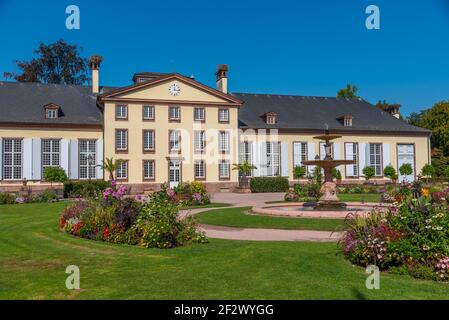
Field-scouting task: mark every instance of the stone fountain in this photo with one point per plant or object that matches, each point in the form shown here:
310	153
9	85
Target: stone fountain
329	200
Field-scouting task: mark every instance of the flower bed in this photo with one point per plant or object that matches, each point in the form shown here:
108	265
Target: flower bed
411	238
146	221
27	196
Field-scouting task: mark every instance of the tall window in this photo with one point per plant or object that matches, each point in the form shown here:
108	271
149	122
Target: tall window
224	169
352	153
121	112
148	112
121	140
199	114
223	115
199	141
87	159
148	140
245	153
12	159
175	140
51	156
375	157
122	171
299	154
148	169
174	114
273	159
223	141
200	169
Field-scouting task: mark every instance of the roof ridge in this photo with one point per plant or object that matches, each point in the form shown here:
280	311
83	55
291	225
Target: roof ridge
294	95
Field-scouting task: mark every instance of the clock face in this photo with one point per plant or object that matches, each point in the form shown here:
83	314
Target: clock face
174	90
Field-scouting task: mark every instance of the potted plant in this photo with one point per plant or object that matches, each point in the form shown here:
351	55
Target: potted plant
390	173
336	174
428	171
245	170
368	172
406	170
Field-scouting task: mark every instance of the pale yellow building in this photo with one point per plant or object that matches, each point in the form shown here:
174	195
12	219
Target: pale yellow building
172	129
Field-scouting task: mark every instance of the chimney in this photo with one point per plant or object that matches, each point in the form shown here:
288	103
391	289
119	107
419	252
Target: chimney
222	78
94	64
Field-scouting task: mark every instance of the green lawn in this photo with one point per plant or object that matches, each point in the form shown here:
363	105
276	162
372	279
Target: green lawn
34	255
367	197
238	217
210	205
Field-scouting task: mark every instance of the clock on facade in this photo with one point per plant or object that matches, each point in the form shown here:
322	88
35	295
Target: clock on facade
174	90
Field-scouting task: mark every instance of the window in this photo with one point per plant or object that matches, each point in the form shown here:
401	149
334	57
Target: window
121	112
273	159
87	159
175	140
12	159
406	154
200	169
148	140
245	154
223	141
174	114
352	153
375	158
51	113
50	153
271	120
299	154
348	121
122	171
224	169
148	169
223	115
199	141
199	114
121	140
148	112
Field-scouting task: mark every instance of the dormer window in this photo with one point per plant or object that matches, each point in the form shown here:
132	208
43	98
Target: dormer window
270	118
346	120
51	111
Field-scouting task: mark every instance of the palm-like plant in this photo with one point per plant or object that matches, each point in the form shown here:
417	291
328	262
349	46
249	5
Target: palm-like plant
110	165
245	169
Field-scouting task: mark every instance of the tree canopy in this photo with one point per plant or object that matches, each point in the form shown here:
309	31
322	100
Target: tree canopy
57	62
350	91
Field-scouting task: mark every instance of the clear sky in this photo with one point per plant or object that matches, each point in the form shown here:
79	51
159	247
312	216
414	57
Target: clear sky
284	47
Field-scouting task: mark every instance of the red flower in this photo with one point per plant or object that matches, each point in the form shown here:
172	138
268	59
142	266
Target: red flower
105	233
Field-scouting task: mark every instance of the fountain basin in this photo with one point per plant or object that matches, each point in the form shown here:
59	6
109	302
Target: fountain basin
308	210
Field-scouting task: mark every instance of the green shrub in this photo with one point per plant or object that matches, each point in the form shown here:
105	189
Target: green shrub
369	172
390	172
7	198
54	174
299	172
336	174
428	171
406	169
84	188
48	195
269	184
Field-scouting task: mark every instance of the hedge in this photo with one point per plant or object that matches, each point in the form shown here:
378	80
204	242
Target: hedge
84	188
269	184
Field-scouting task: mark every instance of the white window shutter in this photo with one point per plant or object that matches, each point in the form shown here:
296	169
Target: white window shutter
362	157
386	155
27	165
1	159
73	160
322	151
349	155
263	158
311	150
284	160
256	158
37	162
337	151
99	147
296	154
65	147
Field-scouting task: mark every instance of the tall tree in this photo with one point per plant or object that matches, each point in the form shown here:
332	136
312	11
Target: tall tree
57	62
350	91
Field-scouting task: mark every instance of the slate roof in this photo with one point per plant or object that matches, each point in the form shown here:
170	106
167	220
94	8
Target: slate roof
24	103
312	113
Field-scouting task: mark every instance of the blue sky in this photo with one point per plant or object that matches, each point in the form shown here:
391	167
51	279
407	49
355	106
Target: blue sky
285	47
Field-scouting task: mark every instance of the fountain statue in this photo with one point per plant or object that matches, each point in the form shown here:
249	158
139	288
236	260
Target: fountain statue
329	200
